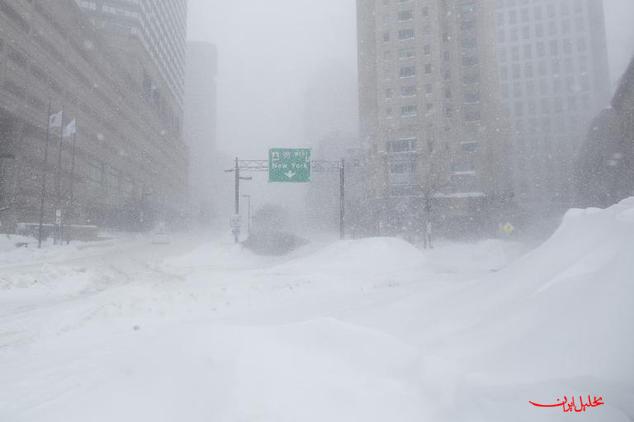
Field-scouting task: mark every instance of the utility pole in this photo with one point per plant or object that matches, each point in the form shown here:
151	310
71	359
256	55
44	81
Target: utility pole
72	183
342	199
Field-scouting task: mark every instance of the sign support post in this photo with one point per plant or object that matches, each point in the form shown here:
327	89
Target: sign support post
236	230
342	199
235	220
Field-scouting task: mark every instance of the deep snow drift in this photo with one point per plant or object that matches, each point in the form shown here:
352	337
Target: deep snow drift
368	330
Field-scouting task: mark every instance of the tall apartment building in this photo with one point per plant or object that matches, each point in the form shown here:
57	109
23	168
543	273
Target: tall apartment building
554	78
160	29
430	110
124	164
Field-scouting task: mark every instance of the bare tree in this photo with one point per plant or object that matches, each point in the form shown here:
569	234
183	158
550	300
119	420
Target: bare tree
432	175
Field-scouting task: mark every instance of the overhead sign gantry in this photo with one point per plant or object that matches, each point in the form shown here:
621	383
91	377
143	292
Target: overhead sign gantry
287	165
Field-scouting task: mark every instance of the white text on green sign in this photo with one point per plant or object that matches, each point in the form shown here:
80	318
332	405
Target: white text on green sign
289	165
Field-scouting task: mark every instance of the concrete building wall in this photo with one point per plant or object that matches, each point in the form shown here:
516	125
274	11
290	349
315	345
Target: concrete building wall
127	166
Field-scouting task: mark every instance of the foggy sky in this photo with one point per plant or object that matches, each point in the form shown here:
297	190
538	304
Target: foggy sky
269	52
272	52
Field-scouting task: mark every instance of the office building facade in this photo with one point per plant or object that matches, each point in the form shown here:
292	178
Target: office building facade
554	78
124	165
159	25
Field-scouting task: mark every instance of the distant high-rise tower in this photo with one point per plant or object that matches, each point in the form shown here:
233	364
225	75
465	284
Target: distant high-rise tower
200	124
430	110
554	78
159	25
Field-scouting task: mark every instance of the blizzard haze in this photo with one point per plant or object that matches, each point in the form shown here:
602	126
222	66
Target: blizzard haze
281	64
288	76
620	33
471	260
270	55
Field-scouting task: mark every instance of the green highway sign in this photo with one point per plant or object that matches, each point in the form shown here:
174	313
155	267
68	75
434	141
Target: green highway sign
289	165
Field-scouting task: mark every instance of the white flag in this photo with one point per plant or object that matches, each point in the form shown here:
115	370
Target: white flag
55	120
70	129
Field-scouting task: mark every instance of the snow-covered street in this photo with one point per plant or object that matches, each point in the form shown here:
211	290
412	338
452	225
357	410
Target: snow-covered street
365	330
316	211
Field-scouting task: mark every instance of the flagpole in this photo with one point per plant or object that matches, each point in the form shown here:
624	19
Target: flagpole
43	193
58	181
72	177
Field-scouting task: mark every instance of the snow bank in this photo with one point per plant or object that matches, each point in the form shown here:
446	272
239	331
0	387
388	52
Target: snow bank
577	292
557	322
368	330
482	256
8	242
588	242
214	256
12	256
366	257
